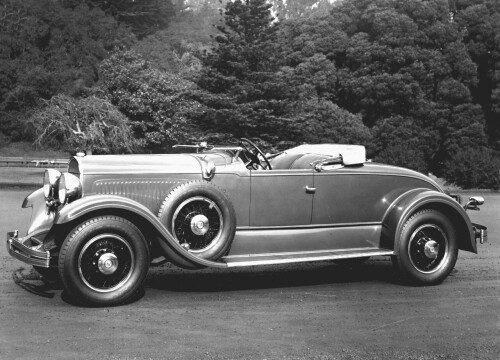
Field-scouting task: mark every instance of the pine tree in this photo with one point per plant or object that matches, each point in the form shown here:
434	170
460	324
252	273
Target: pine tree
242	93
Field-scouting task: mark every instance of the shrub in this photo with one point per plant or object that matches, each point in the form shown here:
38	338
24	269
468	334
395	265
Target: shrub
91	124
473	168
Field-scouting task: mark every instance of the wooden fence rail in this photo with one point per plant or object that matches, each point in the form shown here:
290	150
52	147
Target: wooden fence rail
32	162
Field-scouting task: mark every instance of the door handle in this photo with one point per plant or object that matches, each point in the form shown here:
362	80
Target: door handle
310	190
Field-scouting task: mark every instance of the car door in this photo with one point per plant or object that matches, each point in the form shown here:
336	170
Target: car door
281	198
345	197
350	204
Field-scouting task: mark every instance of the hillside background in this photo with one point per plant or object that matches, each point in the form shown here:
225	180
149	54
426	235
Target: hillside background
417	82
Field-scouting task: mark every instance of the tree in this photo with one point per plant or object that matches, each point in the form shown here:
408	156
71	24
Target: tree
294	9
90	124
156	102
474	168
401	141
324	122
176	49
255	85
480	24
401	66
46	49
238	82
144	17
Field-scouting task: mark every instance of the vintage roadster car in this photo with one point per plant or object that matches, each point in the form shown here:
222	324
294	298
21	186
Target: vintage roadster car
100	225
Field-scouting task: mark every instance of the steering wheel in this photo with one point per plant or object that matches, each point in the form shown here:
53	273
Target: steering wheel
254	155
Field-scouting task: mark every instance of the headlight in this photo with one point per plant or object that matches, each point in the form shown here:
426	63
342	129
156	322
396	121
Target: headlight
49	182
70	188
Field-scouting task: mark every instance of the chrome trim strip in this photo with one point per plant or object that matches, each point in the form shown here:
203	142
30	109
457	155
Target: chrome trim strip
274	173
305	259
306	227
298	253
142	172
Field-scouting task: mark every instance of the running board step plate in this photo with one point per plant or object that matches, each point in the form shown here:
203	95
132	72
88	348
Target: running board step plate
298	257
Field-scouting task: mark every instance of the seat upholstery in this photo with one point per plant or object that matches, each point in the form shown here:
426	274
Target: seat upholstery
304	162
284	161
295	161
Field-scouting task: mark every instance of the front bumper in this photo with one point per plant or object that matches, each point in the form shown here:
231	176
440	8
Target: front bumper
480	232
28	249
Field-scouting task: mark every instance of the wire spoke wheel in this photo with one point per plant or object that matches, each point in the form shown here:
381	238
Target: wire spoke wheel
201	218
197	223
427	248
106	262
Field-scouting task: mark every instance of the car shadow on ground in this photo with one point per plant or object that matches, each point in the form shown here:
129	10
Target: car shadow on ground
34	283
66	297
170	278
31	281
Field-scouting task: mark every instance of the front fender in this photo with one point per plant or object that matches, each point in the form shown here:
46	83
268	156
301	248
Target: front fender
110	203
417	199
41	222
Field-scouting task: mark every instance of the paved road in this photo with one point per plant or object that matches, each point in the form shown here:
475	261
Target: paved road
314	311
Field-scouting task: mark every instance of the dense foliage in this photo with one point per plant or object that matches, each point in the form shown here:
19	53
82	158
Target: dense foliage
417	81
156	102
47	49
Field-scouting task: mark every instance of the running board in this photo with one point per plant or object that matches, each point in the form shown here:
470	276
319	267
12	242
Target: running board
298	257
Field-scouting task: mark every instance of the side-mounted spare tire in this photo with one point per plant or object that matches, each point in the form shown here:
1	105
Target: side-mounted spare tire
201	218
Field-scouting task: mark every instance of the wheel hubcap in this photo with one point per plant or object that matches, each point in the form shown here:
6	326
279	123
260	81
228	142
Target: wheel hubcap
106	262
428	248
197	224
431	249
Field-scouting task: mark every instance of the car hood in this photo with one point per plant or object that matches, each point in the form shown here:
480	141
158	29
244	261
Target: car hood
134	164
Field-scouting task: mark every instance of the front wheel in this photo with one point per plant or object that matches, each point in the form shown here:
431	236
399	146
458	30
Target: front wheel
104	261
427	249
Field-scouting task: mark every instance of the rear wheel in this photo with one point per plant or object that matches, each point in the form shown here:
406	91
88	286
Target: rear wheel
427	249
104	261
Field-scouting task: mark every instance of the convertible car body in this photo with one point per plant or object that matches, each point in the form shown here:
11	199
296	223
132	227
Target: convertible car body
99	226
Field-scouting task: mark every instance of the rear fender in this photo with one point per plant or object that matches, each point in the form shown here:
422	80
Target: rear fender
418	199
112	204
